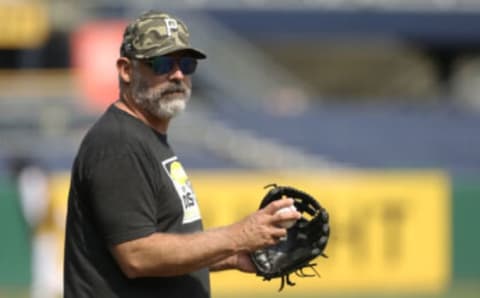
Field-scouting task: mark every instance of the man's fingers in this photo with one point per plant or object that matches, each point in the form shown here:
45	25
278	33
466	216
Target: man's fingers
276	205
279	233
282	213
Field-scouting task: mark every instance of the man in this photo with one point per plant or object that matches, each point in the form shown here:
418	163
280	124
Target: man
133	226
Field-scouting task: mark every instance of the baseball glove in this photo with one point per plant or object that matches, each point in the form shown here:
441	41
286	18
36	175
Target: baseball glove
305	240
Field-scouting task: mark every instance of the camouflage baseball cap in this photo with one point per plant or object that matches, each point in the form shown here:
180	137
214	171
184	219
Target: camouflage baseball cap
156	33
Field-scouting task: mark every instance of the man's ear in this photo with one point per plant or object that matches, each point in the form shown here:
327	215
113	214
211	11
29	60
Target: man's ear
124	68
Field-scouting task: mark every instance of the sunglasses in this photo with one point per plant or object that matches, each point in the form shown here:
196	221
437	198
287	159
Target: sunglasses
164	64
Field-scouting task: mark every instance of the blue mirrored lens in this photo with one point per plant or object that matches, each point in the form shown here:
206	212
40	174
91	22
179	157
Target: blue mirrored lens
165	64
188	65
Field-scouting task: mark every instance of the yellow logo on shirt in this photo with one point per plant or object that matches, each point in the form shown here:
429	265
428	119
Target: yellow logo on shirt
184	189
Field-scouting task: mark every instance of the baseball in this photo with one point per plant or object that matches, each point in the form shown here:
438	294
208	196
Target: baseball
288	223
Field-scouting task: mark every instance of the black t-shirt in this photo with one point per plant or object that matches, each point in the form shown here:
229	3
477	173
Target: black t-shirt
126	184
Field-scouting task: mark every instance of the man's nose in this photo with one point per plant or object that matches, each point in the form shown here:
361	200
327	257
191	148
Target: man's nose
176	73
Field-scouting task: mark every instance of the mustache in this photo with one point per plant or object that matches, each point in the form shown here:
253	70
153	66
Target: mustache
174	89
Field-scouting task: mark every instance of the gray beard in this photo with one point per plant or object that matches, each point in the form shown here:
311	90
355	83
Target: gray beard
158	102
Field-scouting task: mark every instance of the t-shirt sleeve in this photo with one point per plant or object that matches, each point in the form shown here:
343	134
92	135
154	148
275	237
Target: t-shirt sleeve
122	198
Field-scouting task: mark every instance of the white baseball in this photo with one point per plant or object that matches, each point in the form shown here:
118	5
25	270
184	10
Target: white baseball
287	223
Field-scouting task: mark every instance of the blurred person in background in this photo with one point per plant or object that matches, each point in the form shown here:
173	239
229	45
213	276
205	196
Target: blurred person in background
134	227
39	211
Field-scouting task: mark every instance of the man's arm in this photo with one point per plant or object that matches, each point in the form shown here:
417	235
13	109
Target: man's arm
240	261
162	254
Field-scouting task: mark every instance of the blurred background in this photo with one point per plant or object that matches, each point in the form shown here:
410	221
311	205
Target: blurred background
373	106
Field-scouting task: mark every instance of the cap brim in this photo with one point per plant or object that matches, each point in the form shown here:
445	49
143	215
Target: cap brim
196	53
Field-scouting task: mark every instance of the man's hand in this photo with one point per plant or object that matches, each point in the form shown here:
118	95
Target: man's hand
244	263
262	228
